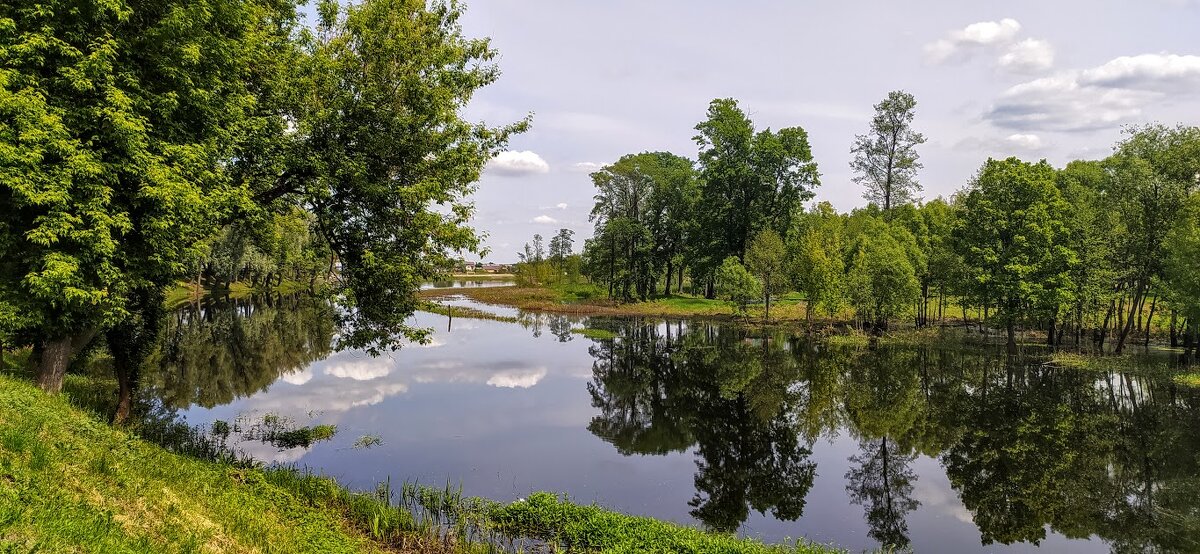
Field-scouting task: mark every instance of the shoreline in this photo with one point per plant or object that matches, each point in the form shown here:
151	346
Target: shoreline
786	315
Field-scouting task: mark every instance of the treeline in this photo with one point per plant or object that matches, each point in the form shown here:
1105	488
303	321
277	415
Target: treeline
1096	251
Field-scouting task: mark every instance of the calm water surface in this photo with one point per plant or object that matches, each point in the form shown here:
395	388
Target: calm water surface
943	450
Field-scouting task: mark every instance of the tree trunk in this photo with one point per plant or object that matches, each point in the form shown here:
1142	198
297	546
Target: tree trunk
1137	297
1174	329
1150	319
52	367
1103	333
1012	336
667	283
1051	332
55	356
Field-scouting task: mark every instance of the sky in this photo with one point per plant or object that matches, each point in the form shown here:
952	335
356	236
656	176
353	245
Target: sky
1052	79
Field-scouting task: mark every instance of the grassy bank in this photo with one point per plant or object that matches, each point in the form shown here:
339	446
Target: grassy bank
71	483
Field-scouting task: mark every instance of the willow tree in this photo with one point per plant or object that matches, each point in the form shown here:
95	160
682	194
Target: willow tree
133	130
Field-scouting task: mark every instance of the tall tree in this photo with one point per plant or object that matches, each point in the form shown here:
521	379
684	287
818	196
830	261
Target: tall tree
886	158
641	217
1152	170
749	181
119	122
1014	238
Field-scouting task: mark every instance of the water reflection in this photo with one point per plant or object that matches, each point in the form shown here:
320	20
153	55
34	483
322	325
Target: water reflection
725	422
1027	447
212	353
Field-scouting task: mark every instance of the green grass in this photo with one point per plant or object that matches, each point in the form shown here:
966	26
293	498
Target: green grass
594	529
1188	379
70	483
465	312
182	293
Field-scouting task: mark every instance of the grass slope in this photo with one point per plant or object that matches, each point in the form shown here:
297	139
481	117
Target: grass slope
70	483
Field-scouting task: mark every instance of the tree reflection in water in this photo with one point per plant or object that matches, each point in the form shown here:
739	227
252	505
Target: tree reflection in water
210	354
1025	445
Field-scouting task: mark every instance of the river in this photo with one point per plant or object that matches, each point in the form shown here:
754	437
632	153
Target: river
943	449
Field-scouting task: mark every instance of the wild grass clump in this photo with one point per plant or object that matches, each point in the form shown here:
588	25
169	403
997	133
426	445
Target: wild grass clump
466	312
367	441
1127	363
566	525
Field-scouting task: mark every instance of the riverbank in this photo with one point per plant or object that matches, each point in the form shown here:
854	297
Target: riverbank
69	482
788	312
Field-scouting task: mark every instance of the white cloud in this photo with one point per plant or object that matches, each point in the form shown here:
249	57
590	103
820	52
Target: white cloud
561	205
544	220
360	370
517	378
1028	56
1025	140
518	164
960	43
298	377
1061	103
1160	72
586	167
1002	146
1105	96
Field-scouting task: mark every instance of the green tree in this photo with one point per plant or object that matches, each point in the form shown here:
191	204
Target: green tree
119	123
816	268
748	182
1091	227
886	158
1153	170
1183	264
737	285
1014	238
139	128
641	220
766	258
881	281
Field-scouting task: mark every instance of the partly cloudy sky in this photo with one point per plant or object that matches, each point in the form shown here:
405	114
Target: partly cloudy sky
1030	78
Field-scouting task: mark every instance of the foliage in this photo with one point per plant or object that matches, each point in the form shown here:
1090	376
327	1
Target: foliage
748	182
880	279
382	142
885	159
737	285
641	212
1183	260
1014	239
816	267
766	258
